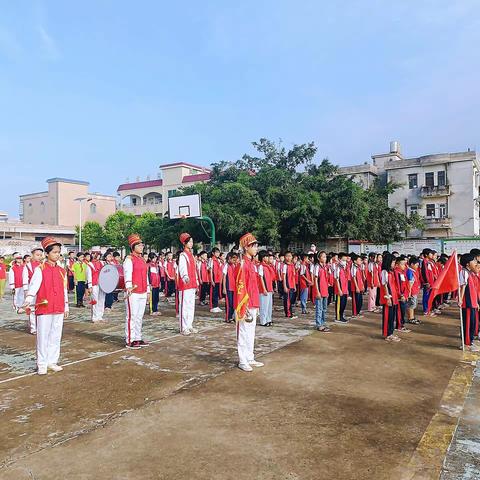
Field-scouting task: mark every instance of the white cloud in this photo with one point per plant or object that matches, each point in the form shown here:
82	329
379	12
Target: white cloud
48	44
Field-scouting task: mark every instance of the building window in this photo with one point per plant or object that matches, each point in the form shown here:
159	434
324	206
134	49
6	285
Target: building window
429	179
412	180
42	207
134	201
441	180
430	210
171	193
413	209
442	210
93	208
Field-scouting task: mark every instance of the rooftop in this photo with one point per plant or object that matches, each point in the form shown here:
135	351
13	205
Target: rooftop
67	180
135	185
184	164
433	159
200	177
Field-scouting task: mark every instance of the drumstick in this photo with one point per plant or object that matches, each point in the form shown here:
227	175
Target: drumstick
28	310
133	288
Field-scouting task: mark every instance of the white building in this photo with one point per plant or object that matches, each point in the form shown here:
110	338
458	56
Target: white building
443	189
152	195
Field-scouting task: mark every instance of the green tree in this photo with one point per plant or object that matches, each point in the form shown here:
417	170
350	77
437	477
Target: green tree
283	197
92	234
118	227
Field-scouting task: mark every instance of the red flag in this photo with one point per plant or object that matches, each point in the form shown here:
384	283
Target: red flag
240	295
447	281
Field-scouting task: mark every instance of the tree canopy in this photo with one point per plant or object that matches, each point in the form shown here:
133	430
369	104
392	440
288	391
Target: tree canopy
280	195
283	196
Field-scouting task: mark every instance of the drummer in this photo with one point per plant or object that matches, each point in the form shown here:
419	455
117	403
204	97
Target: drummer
137	292
97	295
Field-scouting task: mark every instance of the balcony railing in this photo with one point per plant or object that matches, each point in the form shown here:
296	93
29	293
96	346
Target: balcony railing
436	223
139	209
435	191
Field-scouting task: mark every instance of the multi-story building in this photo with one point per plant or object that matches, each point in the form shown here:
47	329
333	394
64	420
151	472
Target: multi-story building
152	195
61	204
443	189
21	237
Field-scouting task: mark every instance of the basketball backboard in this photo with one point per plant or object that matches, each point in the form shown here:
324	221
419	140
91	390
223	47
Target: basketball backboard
186	206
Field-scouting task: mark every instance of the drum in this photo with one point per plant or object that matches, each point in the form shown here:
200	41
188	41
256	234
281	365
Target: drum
111	278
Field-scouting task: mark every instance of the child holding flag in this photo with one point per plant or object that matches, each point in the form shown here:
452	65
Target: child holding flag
247	302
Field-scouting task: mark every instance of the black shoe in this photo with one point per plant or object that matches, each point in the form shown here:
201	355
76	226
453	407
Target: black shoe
142	343
133	346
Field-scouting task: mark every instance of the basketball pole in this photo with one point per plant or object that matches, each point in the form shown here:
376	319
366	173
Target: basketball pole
212	228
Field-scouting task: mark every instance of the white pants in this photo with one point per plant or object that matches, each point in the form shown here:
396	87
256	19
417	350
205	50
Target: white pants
186	308
135	308
49	336
97	310
266	308
18	297
246	338
32	320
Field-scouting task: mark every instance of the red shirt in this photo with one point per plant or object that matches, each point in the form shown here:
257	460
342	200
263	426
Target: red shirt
95	267
268	278
402	282
416	282
304	272
31	268
289	271
3	271
230	277
18	275
322	281
154	275
51	289
192	273
251	282
139	274
342	279
216	270
204	272
357	271
390	288
170	269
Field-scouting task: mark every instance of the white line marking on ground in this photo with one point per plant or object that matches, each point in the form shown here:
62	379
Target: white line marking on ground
158	340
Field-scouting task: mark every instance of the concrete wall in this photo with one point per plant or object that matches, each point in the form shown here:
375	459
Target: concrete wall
58	205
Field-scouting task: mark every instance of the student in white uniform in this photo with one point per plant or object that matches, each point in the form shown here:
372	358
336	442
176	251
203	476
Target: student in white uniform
49	286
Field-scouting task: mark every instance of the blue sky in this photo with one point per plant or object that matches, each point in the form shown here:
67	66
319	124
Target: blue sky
102	90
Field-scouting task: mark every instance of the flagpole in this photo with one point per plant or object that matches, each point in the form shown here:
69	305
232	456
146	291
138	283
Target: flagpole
459	305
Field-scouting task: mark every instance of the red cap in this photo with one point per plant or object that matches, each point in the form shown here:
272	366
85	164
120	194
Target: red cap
184	238
247	240
48	242
134	239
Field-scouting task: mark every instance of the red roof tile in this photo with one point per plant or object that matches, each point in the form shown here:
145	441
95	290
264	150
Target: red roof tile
200	177
135	185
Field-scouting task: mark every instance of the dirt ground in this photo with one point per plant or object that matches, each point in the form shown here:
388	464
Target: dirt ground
344	405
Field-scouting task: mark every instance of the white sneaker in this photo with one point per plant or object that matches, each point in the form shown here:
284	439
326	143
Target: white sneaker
474	348
245	368
186	332
42	370
254	363
55	368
